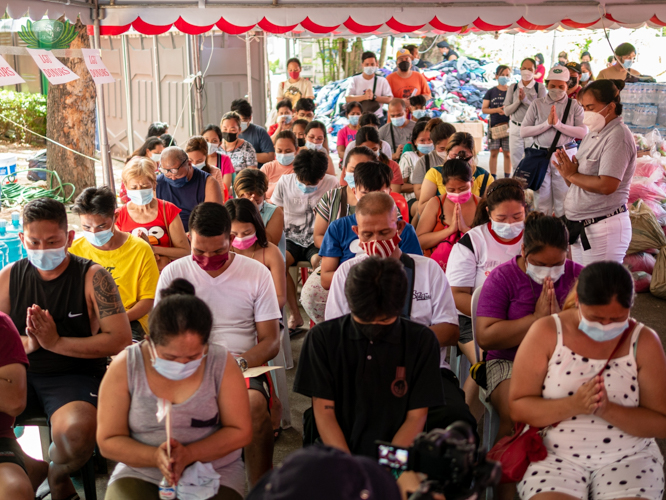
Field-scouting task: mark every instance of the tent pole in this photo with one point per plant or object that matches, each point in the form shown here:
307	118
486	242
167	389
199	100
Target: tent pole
128	93
158	78
189	66
248	53
105	153
196	69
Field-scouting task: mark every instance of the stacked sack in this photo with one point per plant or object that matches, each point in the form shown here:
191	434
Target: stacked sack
647	194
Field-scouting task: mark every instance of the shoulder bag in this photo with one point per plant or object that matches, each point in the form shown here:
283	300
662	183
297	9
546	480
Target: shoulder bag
533	167
370	105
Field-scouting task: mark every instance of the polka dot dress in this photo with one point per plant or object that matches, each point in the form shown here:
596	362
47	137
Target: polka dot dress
586	454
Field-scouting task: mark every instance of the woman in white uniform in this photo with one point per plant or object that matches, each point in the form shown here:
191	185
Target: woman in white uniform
516	103
542	123
599	177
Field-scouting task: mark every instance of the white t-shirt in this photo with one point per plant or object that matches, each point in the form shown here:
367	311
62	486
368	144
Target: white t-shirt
240	297
432	302
471	266
359	85
386	149
299	214
408	161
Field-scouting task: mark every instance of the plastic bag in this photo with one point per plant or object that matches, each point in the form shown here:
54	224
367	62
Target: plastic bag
646	233
641	281
640	262
647	167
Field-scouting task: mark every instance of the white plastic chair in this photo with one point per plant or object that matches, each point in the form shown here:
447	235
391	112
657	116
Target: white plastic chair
460	365
286	360
491	417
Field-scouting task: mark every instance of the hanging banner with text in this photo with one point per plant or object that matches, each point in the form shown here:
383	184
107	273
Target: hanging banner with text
7	75
55	71
96	67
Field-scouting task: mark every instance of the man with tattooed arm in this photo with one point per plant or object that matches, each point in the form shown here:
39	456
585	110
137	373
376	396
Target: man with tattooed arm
71	318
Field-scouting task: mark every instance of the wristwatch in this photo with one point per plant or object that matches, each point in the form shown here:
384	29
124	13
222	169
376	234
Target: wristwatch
242	363
374	97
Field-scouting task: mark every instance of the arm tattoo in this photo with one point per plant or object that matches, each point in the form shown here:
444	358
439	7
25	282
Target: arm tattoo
106	294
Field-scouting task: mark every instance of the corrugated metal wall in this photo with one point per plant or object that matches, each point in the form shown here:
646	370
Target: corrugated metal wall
225	81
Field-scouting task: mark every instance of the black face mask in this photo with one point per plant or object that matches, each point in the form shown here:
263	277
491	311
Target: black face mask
572	83
229	137
404	65
301	142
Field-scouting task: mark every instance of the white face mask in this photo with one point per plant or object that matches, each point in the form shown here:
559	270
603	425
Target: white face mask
594	120
212	148
369	70
526	75
199	165
507	230
540	273
156	157
556	94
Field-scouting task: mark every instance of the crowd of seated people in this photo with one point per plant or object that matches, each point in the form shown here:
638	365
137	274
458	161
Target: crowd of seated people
166	311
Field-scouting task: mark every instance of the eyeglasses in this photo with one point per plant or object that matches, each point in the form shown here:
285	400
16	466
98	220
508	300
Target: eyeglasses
173	171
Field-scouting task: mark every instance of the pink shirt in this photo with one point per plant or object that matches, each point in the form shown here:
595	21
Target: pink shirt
274	171
224	164
346	135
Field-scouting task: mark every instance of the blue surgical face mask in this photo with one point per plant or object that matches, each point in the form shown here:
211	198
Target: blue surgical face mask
601	333
420	113
177	183
312	145
425	149
285	159
584	77
349	179
415	61
628	63
100	238
353	119
305	189
504	80
47	260
285	118
398	122
173	370
140	196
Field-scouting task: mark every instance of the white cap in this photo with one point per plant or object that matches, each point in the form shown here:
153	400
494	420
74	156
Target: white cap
558	73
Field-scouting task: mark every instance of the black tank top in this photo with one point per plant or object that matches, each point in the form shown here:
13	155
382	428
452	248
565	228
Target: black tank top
65	299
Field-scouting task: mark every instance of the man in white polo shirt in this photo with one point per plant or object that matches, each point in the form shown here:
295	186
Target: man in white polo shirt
242	297
432	302
370	88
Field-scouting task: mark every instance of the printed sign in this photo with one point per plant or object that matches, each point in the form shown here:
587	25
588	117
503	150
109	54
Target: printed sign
96	66
7	75
55	71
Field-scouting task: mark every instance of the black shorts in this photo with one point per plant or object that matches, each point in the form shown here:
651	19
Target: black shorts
48	393
300	253
261	384
465	325
11	453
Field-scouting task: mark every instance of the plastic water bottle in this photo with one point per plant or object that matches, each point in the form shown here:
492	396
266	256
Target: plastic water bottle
13	243
4	255
166	491
15	228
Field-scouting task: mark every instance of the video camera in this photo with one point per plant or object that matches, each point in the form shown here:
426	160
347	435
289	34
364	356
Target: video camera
449	458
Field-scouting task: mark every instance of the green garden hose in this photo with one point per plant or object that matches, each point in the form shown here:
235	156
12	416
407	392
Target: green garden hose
14	194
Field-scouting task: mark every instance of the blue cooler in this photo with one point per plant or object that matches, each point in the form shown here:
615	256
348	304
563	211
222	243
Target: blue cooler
7	164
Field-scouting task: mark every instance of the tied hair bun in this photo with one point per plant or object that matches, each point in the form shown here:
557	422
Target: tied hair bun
179	286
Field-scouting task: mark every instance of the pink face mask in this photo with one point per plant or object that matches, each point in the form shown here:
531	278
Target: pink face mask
459	197
244	243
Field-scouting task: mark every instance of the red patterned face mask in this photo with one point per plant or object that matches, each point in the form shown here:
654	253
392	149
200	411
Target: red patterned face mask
381	248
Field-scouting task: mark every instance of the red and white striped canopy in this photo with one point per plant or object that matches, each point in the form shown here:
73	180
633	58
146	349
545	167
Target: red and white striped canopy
342	17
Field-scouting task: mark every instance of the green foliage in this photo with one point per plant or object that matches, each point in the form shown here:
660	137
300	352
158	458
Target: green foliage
48	34
29	110
273	66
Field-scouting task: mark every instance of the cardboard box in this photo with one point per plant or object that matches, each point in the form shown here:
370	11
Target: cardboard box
474	128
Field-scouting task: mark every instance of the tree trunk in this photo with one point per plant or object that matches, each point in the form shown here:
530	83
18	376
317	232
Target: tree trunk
354	57
433	55
70	120
382	53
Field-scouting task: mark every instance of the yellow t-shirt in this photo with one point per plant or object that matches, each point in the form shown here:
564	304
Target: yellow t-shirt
132	266
479	173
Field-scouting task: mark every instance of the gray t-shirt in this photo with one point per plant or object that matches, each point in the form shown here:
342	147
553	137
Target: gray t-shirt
420	170
402	135
515	108
611	152
192	420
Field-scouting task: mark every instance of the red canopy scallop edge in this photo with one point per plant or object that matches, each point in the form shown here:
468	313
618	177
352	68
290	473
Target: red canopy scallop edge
350	24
